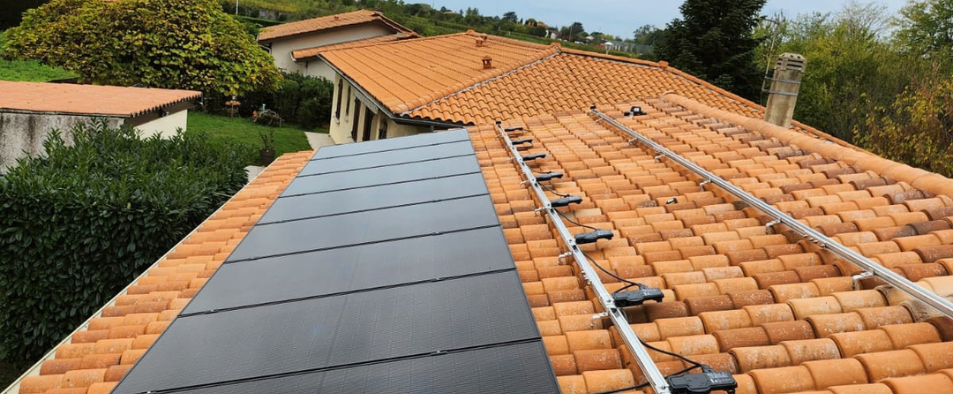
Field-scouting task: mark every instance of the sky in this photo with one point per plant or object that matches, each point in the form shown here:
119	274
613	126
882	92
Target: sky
621	17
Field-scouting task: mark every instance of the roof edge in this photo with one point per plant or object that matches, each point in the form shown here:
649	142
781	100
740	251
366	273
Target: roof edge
916	177
400	36
376	17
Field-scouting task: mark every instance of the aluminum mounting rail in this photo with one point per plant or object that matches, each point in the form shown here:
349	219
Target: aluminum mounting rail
779	217
632	341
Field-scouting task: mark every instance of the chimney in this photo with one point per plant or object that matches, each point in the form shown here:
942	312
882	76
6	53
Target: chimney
782	97
487	62
479	42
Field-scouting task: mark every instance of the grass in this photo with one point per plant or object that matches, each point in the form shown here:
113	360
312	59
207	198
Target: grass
28	70
243	131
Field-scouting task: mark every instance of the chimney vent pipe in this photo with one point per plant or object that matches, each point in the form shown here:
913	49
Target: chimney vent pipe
782	97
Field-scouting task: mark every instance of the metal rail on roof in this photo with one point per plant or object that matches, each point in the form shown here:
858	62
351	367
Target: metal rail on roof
632	341
779	217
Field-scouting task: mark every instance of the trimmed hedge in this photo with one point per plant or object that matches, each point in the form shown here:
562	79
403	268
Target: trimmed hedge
80	224
299	99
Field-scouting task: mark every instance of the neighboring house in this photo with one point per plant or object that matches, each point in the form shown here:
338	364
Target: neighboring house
435	83
30	110
308	36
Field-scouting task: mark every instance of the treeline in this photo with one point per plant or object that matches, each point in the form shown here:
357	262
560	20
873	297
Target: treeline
880	81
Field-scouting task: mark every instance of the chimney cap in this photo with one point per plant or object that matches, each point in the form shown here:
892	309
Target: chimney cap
487	62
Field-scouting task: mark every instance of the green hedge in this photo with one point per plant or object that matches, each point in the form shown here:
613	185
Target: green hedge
299	99
78	225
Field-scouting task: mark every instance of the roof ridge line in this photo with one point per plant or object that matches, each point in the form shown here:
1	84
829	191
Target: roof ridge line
467	88
410	35
806	141
384	43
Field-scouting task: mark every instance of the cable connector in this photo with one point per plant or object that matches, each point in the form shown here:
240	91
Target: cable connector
703	383
565	201
637	297
533	156
522	141
634	111
547	176
593	236
513	128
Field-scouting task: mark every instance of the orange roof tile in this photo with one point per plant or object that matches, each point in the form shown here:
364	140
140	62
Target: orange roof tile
311	53
99	354
326	23
776	311
87	99
420	71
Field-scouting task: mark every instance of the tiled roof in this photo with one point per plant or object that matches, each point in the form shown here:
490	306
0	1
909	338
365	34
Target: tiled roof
327	22
310	53
571	81
775	310
408	74
98	355
87	99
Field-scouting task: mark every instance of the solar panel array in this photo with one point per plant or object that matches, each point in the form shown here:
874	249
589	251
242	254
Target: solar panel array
382	268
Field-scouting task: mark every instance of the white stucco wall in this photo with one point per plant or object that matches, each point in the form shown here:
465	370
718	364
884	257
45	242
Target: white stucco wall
340	130
165	126
23	134
317	68
281	48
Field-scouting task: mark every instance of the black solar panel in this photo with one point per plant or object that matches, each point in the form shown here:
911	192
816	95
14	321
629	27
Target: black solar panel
337	331
377	197
386	271
497	370
389	158
366	227
353	269
384	175
380	146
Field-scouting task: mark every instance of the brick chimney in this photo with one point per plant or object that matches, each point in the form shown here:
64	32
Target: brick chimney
487	62
782	97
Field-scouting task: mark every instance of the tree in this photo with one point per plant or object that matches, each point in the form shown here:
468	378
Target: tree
185	44
925	28
510	17
915	129
714	41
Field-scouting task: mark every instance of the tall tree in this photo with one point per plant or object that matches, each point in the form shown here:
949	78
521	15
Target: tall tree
925	28
714	41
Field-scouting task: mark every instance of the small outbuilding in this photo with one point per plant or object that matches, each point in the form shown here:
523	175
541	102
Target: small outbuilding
30	110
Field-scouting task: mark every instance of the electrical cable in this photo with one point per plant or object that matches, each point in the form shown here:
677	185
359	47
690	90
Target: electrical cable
575	222
551	190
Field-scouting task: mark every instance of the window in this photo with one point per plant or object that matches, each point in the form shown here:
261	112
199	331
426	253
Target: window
337	111
368	118
347	107
356	120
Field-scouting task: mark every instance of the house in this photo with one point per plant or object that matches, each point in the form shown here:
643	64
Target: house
294	44
30	110
787	260
268	292
436	83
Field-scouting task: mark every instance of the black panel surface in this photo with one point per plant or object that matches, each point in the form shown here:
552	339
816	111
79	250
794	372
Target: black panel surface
416	154
499	370
336	331
383	175
353	200
371	226
391	144
355	268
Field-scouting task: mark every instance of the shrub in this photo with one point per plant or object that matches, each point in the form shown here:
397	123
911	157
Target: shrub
300	99
184	44
78	225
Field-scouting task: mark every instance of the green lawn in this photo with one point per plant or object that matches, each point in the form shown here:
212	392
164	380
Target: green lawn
243	131
28	70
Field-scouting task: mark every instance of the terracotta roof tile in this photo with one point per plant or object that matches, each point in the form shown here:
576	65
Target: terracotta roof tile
326	23
87	99
98	355
778	312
